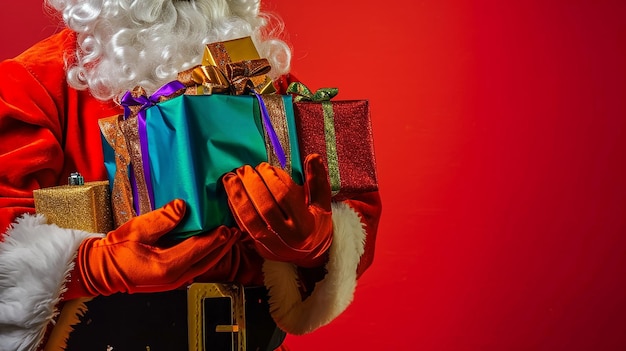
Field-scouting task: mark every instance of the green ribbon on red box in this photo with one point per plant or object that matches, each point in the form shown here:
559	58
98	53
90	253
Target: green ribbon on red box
323	96
304	94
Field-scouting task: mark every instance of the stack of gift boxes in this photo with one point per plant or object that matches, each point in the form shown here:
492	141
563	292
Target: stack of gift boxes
216	117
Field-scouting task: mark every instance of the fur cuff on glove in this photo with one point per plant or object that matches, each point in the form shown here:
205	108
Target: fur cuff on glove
333	294
35	261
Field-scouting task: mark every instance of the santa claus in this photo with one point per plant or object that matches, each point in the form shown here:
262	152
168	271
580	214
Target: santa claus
51	97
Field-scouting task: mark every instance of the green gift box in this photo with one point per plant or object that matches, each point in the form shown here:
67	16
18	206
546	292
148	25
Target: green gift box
192	140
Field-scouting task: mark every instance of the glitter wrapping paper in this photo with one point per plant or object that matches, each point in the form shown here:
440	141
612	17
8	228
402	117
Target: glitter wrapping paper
341	132
86	207
117	163
131	134
221	53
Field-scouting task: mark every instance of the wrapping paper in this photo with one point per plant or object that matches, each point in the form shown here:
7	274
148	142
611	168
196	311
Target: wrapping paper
341	132
194	139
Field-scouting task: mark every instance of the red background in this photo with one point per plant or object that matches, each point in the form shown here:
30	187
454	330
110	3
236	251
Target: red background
499	132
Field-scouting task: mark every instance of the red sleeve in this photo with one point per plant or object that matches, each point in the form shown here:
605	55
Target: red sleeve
282	82
369	208
47	128
31	155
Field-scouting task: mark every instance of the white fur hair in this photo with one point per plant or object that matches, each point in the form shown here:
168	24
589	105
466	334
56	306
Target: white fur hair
333	294
125	43
35	261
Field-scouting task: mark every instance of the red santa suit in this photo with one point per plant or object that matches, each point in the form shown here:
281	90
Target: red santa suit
47	131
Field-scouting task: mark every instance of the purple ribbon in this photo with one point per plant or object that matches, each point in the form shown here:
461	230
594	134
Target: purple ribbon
146	102
267	123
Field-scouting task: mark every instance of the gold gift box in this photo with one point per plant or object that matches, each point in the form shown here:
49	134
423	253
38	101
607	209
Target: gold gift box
216	317
86	207
221	53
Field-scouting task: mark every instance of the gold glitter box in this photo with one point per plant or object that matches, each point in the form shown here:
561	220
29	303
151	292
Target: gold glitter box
86	207
221	53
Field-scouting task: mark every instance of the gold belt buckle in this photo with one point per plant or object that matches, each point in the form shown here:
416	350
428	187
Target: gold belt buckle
216	317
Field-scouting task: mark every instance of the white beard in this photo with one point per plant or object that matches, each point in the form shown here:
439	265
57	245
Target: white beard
125	43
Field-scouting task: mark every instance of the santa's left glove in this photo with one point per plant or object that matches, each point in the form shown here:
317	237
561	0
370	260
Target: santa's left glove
288	222
130	259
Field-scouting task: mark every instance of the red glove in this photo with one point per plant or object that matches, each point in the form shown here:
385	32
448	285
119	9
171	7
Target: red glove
130	259
288	222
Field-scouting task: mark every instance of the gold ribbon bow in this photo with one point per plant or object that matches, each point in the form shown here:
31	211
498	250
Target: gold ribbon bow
204	80
240	73
238	78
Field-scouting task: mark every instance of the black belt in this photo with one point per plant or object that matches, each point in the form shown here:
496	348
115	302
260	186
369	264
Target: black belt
159	321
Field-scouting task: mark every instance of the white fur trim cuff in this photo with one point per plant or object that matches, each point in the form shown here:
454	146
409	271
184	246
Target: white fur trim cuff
35	260
333	294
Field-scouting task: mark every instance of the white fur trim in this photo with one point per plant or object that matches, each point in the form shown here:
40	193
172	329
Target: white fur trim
333	294
35	261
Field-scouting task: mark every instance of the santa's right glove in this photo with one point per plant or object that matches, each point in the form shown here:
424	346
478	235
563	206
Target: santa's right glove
131	259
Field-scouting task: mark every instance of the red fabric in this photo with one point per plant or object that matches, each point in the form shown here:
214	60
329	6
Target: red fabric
48	129
282	83
369	208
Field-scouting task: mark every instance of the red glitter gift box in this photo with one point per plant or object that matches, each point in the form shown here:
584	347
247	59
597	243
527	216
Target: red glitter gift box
340	131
